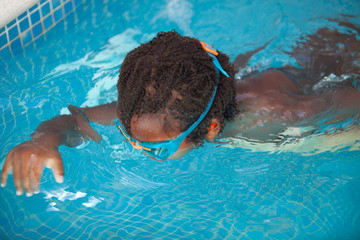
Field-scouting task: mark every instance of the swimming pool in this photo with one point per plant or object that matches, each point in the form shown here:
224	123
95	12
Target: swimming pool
215	192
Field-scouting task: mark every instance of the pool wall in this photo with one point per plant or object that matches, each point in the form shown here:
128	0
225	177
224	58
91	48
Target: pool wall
25	27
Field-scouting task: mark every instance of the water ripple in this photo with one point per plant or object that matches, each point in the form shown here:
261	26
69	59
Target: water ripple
130	179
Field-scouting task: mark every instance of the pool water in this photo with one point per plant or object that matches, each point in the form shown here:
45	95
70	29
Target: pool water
219	191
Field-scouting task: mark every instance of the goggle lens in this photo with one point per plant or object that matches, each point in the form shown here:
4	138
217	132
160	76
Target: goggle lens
158	154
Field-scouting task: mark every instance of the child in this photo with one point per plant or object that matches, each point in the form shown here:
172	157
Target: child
173	92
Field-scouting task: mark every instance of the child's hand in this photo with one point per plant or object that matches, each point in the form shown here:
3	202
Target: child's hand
27	161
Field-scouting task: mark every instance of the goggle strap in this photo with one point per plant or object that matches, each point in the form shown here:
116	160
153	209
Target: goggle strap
213	53
133	144
208	48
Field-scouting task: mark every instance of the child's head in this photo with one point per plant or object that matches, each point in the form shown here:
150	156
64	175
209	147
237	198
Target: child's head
172	77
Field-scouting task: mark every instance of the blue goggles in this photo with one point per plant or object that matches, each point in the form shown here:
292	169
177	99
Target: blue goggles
164	149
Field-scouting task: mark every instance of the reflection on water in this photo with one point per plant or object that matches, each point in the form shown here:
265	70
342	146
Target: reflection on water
329	136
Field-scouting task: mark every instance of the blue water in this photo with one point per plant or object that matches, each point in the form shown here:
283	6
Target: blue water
111	191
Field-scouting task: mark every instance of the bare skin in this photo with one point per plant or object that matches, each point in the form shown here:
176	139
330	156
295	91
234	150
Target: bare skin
268	98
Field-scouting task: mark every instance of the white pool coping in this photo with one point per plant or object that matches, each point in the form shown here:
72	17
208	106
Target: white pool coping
10	9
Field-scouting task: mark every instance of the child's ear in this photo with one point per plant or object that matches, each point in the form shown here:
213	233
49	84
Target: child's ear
214	129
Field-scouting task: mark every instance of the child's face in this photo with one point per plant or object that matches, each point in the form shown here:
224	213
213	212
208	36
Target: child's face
150	128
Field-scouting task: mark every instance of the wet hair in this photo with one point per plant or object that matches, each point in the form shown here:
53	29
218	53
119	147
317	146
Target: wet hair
173	76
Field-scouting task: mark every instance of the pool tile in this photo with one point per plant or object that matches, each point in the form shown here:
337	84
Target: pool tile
33	8
16	44
55	3
32	23
37	30
69	231
68	7
24	24
45	9
35	17
48	22
58	14
70	19
44	230
13	33
26	37
24	14
40	40
3	40
10	24
31	235
4	51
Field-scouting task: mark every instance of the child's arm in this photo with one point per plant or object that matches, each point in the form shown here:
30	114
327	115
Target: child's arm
28	159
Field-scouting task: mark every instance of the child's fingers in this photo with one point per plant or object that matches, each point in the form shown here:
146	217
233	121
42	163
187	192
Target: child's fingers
25	174
27	165
35	186
35	176
17	175
58	171
57	167
6	169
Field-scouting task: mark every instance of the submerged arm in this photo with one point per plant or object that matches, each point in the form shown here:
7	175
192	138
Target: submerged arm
28	159
60	129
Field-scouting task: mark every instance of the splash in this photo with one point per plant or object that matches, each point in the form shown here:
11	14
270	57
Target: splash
107	57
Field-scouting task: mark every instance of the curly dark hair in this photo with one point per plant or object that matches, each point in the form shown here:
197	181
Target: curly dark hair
174	76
